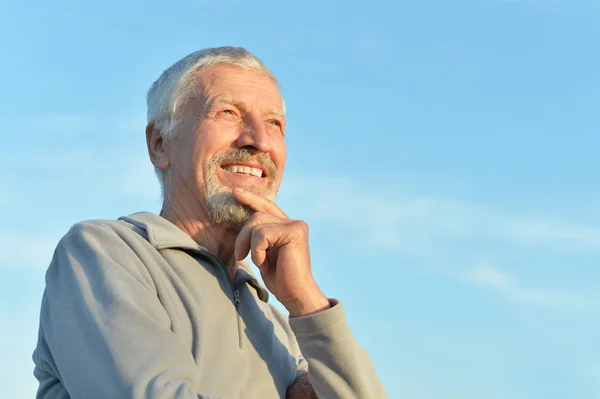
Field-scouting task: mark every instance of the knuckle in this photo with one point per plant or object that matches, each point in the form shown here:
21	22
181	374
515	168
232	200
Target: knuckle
261	234
302	226
255	218
258	218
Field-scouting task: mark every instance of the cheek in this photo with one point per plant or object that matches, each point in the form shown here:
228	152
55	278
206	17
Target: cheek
279	154
188	161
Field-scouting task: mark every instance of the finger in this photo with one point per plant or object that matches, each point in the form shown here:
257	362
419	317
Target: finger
242	242
263	238
257	202
272	254
270	261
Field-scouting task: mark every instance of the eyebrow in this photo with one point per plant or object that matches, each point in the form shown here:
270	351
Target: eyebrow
242	105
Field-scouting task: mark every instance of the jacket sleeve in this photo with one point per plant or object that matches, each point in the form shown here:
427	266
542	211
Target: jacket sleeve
104	326
337	366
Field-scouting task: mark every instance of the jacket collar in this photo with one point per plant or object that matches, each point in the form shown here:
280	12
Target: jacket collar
162	234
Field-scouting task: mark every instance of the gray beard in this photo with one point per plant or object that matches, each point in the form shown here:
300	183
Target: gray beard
221	207
224	210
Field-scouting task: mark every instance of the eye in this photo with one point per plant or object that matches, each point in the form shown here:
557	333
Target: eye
275	123
229	112
228	115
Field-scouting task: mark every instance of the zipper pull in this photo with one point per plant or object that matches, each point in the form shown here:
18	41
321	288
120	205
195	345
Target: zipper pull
236	299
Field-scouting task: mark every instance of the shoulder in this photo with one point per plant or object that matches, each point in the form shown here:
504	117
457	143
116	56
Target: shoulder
102	248
101	234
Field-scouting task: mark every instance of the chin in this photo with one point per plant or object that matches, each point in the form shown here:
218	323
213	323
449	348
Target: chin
223	209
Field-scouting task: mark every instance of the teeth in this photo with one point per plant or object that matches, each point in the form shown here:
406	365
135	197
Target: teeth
244	169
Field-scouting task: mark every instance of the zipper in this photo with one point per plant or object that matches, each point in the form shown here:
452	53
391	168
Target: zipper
236	302
222	266
236	297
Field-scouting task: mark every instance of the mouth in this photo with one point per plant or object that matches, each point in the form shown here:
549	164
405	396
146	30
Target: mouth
254	170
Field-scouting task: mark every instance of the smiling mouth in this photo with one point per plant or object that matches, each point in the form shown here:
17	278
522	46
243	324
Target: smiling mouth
246	170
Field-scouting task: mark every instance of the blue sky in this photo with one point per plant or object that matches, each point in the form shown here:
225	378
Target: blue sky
444	154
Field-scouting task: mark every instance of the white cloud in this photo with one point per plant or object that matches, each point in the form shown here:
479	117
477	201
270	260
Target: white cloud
489	276
443	234
544	232
394	217
77	123
505	284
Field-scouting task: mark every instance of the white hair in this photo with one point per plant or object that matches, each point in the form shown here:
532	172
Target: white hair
177	84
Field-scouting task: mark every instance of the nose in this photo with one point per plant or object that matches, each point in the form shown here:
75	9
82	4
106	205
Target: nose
254	137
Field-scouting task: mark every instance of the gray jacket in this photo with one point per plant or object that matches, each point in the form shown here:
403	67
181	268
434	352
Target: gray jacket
135	308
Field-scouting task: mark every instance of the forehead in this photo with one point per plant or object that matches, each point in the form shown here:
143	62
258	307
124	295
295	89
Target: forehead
229	81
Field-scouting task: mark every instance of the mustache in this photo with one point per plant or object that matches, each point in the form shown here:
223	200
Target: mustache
244	155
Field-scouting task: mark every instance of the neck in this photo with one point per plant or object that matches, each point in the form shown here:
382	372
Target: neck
217	239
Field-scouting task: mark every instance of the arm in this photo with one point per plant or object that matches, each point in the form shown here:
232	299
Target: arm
104	326
337	366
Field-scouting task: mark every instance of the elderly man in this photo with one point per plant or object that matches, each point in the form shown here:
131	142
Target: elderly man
152	306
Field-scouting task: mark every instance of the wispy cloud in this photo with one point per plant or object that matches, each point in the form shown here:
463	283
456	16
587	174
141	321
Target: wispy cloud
78	123
507	285
447	235
397	216
548	232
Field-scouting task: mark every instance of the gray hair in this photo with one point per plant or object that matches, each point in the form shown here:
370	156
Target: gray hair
176	85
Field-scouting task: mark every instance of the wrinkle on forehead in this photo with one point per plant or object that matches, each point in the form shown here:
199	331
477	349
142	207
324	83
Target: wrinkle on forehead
241	105
229	84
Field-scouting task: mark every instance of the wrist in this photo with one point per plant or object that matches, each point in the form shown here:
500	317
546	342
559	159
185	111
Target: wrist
307	305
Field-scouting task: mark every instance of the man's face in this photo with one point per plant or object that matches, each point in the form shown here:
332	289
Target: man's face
231	135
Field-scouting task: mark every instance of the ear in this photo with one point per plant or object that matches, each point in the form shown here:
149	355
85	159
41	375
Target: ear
157	148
